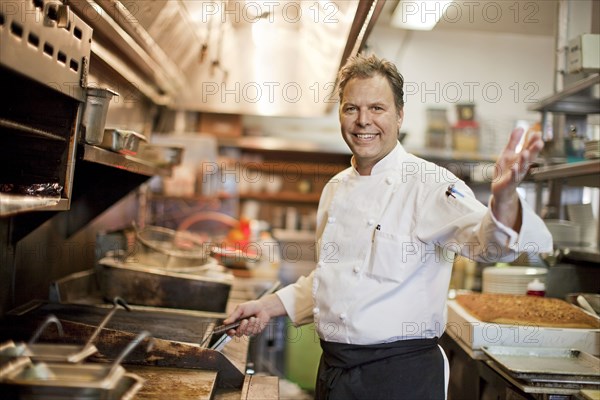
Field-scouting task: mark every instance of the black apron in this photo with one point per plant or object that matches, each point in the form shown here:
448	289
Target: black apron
406	369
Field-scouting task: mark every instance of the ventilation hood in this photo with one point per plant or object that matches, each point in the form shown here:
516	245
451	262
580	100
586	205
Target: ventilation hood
271	58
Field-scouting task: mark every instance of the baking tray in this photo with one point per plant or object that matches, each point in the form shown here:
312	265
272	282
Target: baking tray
547	365
476	334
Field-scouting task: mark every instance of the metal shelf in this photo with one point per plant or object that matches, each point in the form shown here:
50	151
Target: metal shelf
282	144
121	161
24	204
284	197
62	205
453	155
572	100
582	173
296	168
589	254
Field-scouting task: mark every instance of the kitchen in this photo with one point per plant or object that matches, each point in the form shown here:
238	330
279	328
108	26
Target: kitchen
503	72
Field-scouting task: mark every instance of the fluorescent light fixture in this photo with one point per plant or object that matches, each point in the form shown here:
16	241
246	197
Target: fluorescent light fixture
419	14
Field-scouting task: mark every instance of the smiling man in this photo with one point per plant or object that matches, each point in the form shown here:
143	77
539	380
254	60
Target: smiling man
370	119
388	228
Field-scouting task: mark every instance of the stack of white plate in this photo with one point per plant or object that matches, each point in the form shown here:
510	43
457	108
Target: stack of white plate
511	280
592	149
583	215
564	233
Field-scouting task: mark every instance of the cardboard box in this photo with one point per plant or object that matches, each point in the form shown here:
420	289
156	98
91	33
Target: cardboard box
220	125
477	334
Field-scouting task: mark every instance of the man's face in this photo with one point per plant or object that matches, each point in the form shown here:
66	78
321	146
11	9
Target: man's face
369	120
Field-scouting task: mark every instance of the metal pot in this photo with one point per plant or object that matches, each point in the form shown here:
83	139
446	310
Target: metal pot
94	114
162	288
166	248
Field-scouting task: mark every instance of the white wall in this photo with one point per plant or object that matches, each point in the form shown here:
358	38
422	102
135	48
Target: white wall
503	74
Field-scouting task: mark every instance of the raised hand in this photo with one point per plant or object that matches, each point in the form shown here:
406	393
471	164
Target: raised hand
511	168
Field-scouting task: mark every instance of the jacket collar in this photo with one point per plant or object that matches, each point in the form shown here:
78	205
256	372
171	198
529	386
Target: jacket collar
388	162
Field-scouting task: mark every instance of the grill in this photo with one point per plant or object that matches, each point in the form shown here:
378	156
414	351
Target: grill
176	337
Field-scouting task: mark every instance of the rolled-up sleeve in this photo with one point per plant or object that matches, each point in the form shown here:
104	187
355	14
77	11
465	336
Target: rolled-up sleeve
533	237
297	300
468	227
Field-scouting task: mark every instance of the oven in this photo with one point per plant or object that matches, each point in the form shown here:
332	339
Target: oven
44	61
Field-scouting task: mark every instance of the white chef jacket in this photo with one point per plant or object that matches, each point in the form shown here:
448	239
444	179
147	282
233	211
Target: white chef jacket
386	244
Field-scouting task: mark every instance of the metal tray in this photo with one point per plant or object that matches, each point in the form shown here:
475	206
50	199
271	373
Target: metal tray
9	364
50	351
160	288
547	365
124	389
62	380
68	377
162	155
122	141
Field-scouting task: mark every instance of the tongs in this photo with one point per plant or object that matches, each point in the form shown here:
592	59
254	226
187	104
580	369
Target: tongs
223	329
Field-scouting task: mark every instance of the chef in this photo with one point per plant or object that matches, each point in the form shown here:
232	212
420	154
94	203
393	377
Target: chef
388	228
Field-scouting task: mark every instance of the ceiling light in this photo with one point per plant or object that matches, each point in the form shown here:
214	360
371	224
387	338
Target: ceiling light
419	15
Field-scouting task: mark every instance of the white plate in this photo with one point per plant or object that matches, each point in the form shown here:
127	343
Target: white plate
515	271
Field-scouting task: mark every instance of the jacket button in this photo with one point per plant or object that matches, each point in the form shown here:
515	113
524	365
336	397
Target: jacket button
371	222
316	310
389	180
331	220
319	265
356	269
343	316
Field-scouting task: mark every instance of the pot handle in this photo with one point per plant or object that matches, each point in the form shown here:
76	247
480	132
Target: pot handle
49	320
116	302
138	339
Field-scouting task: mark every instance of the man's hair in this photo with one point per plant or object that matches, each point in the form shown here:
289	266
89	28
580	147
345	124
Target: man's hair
361	66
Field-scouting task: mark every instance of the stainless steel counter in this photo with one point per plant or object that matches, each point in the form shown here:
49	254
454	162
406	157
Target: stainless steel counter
474	376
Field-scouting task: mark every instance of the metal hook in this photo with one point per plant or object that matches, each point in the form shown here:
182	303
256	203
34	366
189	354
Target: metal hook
50	319
138	339
116	302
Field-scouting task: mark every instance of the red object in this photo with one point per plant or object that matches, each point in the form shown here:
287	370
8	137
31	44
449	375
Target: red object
540	293
245	227
465	124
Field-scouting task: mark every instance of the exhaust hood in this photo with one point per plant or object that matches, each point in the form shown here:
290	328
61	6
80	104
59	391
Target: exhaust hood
271	58
282	60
